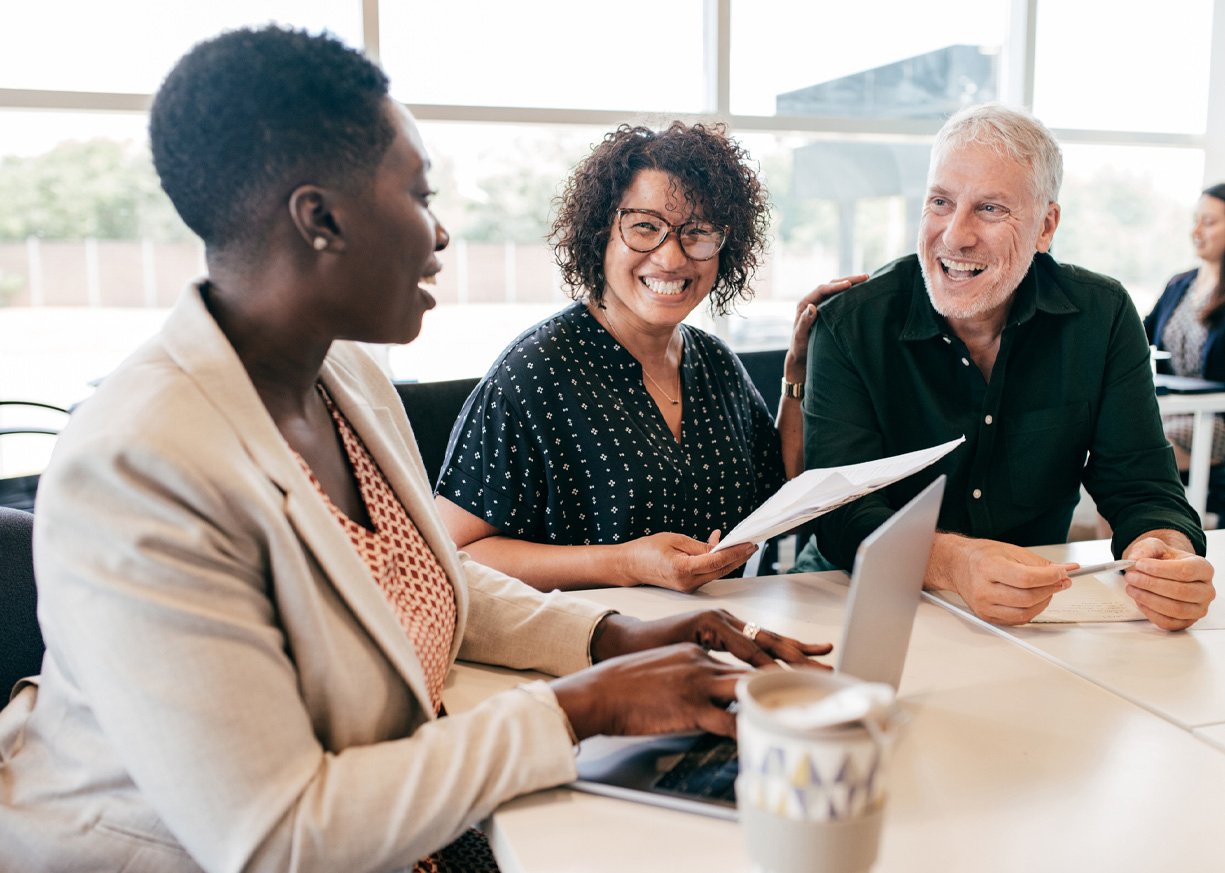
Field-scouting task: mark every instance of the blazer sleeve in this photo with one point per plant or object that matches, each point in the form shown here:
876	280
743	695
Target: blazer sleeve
514	625
157	602
1159	315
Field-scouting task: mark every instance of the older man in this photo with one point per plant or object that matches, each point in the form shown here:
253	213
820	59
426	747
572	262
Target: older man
1045	369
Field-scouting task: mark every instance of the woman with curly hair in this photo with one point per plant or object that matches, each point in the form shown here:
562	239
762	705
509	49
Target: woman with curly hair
612	443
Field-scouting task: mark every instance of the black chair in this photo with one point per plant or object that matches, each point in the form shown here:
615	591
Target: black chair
765	369
21	641
18	491
432	409
766	373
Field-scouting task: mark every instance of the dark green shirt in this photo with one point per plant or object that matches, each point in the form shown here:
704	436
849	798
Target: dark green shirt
1070	400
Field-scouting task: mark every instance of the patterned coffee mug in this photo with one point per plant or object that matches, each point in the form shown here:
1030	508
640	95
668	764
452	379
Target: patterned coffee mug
809	799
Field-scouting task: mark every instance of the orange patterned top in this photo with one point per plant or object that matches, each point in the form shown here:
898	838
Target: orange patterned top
407	571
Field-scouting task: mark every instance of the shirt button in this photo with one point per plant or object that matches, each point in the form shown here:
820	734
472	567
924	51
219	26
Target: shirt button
978	493
947	340
988	420
966	362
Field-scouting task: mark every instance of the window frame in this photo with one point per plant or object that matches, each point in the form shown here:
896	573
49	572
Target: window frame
1017	88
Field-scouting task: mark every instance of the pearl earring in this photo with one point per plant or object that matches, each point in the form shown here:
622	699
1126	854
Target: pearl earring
320	243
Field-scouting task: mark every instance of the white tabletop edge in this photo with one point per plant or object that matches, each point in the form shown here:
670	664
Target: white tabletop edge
1174	778
1005	633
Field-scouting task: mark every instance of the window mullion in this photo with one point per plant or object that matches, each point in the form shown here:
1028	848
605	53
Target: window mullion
717	21
1017	73
1214	145
370	28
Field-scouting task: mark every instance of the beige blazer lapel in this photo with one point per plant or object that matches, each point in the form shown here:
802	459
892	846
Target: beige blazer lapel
390	441
196	343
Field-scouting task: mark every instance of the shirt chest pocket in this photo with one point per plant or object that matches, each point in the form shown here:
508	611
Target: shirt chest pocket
1044	452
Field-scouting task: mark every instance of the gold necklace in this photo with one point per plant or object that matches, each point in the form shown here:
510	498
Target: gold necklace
674	401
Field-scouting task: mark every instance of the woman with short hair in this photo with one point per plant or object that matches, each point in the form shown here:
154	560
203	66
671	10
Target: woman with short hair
249	604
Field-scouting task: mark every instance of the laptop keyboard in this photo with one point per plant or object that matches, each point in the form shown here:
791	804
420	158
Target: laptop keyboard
708	770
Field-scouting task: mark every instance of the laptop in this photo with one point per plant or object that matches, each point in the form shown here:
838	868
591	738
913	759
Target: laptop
1166	383
697	772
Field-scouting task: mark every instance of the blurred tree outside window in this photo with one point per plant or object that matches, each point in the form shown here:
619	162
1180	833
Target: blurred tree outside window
96	188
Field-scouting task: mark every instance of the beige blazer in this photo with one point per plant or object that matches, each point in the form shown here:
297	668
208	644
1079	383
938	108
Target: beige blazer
225	686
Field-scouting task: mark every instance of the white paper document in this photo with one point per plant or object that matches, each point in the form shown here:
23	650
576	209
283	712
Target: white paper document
816	492
1093	598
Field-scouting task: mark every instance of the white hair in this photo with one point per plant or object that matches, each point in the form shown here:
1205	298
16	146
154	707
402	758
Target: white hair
1009	131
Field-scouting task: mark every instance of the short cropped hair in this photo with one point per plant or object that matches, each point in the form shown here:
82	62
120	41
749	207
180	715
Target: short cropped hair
1012	132
713	174
246	117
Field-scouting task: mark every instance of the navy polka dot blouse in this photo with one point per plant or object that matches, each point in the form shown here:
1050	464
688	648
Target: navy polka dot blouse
560	443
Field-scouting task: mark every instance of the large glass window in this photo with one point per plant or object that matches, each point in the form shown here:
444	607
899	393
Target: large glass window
130	45
637	55
91	251
1100	69
873	58
839	206
496	185
92	255
1127	211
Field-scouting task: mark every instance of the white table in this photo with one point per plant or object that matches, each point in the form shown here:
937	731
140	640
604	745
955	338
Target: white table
1204	407
1179	677
1011	762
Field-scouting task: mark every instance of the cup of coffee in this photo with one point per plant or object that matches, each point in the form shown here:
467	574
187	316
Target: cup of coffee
813	750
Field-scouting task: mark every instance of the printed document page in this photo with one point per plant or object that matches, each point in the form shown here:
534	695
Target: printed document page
816	492
1093	598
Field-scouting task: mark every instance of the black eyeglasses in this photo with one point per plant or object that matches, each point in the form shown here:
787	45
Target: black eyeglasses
645	230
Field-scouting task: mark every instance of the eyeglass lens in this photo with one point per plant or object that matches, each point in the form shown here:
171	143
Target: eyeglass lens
644	232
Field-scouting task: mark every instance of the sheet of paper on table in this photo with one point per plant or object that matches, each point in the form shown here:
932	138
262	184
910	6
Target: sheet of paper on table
1099	597
816	492
1098	551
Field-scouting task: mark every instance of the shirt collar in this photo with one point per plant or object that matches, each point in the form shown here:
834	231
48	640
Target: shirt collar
1039	291
608	344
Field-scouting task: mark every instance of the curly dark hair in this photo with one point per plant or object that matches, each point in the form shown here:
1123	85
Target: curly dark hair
714	175
246	117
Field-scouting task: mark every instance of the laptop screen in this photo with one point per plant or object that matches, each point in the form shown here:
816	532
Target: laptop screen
886	585
696	772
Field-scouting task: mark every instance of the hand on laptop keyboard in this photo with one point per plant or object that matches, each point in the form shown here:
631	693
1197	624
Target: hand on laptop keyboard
712	629
663	690
658	676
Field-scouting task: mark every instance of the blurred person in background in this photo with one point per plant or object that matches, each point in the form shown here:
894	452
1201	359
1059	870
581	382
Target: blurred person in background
1188	322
